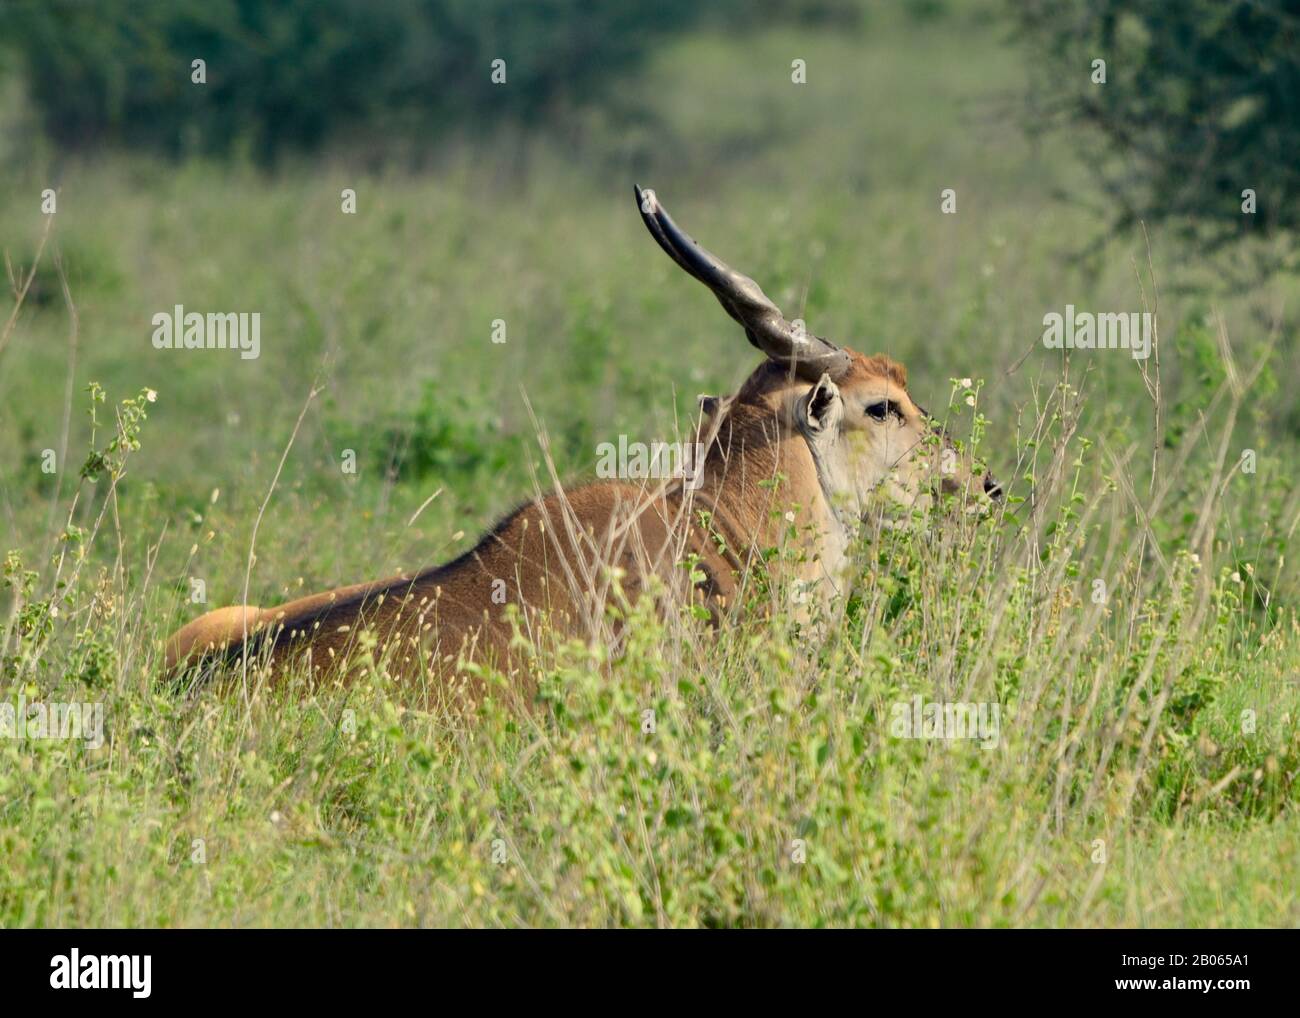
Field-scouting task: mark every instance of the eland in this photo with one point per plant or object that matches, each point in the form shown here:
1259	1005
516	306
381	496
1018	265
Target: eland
796	458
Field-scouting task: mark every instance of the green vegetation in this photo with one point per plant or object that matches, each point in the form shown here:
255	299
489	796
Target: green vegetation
1146	763
1191	106
291	76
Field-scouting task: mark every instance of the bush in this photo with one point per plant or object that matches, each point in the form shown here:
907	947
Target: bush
1199	105
289	75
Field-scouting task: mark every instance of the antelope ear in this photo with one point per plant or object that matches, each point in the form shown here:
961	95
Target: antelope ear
820	409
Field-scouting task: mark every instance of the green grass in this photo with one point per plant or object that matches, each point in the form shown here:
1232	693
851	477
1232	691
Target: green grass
1123	730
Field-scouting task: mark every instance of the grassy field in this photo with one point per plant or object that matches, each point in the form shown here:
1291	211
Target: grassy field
1145	771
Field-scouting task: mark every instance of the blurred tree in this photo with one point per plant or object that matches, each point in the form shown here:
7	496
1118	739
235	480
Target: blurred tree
286	75
1200	103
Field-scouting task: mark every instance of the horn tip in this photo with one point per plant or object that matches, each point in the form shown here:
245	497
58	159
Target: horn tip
646	199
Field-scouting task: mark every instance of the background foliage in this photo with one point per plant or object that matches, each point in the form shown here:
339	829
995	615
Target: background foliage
290	76
1201	101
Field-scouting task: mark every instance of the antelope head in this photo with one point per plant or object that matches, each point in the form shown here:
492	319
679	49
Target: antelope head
866	434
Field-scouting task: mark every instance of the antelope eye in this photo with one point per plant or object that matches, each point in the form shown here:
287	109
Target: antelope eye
878	411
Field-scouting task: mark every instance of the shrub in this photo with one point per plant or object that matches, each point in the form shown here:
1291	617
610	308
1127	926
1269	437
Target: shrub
286	76
1198	105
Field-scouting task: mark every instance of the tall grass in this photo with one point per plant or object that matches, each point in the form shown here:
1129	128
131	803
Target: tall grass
750	776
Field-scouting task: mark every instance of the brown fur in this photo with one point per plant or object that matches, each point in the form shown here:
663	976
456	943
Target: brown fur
553	554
